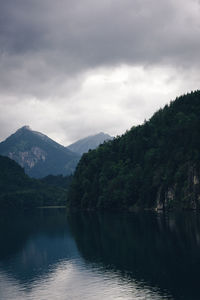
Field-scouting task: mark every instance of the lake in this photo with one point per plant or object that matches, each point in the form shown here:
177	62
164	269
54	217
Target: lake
49	254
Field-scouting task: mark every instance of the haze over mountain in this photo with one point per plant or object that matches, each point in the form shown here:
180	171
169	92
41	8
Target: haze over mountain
38	154
90	142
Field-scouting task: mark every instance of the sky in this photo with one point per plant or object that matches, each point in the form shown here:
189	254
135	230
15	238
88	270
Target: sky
71	68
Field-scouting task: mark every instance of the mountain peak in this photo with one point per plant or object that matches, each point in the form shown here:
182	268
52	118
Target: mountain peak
38	154
89	142
25	127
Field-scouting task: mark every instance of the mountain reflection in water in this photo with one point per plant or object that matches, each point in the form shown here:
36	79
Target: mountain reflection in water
52	255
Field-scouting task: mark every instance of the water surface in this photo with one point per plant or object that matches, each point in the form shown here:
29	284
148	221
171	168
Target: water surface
51	255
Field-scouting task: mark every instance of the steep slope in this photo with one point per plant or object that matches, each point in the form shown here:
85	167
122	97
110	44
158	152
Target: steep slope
38	154
90	142
19	191
12	176
155	165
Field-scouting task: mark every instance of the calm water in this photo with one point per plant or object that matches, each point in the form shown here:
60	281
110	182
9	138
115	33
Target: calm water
52	255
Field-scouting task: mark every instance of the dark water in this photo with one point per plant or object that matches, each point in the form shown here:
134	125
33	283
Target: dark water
50	255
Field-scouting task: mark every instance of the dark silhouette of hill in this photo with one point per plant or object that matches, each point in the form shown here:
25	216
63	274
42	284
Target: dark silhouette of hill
18	191
152	166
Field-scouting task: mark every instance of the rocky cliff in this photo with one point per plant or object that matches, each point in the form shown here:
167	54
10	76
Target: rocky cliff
38	154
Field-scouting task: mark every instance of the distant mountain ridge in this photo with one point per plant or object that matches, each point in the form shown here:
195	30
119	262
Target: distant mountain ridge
38	154
90	142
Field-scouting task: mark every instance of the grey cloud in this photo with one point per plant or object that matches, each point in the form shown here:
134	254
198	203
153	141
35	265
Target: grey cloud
46	42
49	48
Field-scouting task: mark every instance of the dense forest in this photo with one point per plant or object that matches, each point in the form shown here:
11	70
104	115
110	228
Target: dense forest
18	191
152	166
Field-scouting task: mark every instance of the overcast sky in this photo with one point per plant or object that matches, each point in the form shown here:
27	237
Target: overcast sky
73	68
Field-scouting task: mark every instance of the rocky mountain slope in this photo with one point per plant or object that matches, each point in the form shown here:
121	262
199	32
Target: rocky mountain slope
38	154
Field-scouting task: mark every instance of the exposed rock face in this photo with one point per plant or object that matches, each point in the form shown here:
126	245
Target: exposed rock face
37	154
163	203
195	180
28	158
193	188
187	193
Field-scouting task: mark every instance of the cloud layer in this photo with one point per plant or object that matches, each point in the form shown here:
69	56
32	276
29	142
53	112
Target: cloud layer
73	67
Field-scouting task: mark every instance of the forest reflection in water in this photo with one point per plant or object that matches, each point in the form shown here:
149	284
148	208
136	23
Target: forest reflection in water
54	255
161	250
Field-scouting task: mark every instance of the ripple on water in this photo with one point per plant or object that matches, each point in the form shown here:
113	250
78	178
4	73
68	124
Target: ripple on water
72	280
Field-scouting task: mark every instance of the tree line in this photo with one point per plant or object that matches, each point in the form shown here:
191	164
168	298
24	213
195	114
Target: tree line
154	165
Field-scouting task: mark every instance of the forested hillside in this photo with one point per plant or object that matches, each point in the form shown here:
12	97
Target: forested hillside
19	191
154	165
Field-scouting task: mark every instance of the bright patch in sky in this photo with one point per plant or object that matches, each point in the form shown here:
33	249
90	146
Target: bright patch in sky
70	69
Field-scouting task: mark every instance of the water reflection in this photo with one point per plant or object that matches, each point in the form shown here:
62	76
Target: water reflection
162	251
32	243
49	255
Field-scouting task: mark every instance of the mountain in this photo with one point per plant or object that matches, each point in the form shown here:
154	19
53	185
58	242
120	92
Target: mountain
152	166
18	191
38	154
90	142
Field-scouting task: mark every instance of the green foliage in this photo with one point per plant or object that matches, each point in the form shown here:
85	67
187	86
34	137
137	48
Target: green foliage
152	165
57	181
19	191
